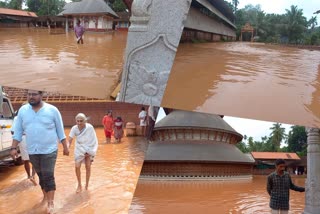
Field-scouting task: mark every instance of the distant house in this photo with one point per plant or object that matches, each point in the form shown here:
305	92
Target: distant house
122	23
264	161
16	18
52	21
95	15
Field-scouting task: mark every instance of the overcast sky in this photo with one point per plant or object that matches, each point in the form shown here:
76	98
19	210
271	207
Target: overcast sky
280	6
251	128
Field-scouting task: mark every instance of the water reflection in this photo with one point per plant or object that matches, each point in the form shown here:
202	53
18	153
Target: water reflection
115	172
258	81
34	58
219	197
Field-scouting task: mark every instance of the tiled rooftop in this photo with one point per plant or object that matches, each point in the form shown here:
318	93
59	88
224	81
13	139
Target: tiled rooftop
18	95
275	155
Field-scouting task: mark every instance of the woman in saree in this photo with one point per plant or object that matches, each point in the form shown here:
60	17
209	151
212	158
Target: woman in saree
86	146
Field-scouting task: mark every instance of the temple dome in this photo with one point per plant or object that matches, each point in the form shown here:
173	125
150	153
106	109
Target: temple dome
179	119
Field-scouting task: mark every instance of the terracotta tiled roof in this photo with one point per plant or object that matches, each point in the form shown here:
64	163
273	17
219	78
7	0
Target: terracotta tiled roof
275	155
18	95
17	12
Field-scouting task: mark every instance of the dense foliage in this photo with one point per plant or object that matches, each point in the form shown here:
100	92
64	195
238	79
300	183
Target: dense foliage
291	27
295	141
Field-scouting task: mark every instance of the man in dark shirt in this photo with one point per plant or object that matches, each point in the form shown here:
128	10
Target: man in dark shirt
278	186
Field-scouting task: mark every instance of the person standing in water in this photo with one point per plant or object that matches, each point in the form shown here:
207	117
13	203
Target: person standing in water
79	31
143	120
107	123
85	147
279	184
42	124
118	129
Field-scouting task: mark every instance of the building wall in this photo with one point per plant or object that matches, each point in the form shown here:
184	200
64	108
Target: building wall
193	169
198	21
95	110
14	24
89	22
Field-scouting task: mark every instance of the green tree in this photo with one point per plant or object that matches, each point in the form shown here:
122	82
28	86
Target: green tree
242	146
4	4
312	22
45	7
14	4
235	4
297	140
295	24
119	6
277	136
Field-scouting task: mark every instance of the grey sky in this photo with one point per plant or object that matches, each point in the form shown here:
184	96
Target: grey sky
280	6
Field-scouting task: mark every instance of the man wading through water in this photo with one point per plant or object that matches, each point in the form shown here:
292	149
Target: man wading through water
43	127
278	186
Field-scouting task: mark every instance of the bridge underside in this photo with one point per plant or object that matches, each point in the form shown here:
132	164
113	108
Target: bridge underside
205	22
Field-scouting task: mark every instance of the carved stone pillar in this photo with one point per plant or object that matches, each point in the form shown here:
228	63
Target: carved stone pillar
153	38
312	204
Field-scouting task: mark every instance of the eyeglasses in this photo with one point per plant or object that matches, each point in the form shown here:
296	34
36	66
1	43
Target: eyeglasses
33	94
79	121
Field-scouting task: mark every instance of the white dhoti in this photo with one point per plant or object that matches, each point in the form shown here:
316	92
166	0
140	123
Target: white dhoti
86	142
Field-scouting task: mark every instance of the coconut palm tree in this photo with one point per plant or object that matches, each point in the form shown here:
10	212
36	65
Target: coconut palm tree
277	135
295	24
312	22
235	5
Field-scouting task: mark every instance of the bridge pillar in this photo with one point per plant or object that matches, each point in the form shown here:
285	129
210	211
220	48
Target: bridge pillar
67	25
312	199
153	38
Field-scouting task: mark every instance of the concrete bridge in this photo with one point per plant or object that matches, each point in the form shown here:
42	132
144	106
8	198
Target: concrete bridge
209	20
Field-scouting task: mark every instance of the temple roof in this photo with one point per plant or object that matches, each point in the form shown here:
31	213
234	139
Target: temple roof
87	7
188	119
199	152
275	155
12	12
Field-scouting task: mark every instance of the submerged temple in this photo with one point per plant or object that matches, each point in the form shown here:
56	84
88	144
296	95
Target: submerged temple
190	145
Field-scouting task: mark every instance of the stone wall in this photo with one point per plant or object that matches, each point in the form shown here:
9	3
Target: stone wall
95	110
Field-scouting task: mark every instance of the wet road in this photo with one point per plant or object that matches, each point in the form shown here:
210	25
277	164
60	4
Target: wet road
115	172
256	81
206	197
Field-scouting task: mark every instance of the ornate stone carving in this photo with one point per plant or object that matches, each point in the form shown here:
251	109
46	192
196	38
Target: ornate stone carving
140	15
154	34
146	82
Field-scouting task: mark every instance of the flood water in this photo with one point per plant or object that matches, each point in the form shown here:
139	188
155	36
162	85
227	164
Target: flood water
115	172
218	197
256	81
54	62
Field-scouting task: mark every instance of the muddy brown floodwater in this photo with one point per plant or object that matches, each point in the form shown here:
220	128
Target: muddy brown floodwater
249	80
54	62
207	197
115	172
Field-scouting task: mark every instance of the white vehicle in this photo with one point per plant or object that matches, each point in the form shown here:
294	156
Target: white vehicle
6	120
